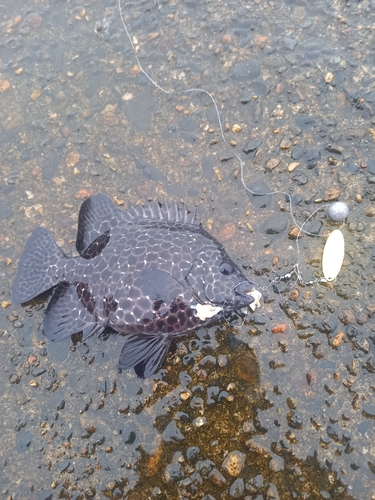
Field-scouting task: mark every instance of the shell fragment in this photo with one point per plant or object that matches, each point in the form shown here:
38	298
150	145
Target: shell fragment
257	296
333	255
205	311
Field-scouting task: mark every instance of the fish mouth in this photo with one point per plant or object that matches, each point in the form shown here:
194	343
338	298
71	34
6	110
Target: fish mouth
253	296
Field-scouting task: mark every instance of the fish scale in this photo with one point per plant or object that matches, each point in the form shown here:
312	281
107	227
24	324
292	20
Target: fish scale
150	272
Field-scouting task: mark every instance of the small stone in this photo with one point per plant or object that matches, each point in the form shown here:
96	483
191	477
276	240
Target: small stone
272	163
347	317
362	318
276	464
82	194
292	166
136	70
332	194
5	304
4	85
226	155
34	20
31	358
290	43
285	144
222	360
301	179
328	78
35	94
14	379
275	224
234	463
294	294
252	146
174	472
226	232
236	128
281	328
185	395
199	422
261	40
237	489
338	340
72	159
227	38
217	478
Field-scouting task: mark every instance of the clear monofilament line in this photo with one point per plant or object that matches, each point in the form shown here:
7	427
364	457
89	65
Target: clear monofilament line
284	193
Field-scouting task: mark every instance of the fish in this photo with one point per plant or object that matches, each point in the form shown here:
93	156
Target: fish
150	272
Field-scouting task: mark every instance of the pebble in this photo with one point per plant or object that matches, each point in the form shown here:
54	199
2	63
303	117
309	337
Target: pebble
222	360
332	194
281	328
252	146
272	163
174	472
285	144
245	71
34	20
226	156
4	85
370	310
192	453
300	179
234	463
199	422
290	43
275	224
226	232
217	478
294	233
23	441
292	166
347	317
362	318
338	340
14	379
294	294
236	128
237	489
276	464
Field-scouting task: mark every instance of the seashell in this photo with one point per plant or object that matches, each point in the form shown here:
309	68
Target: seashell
333	255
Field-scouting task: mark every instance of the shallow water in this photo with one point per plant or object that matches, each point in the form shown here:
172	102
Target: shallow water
293	410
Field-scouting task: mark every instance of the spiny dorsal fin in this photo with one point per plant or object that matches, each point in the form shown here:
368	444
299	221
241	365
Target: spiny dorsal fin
99	214
168	211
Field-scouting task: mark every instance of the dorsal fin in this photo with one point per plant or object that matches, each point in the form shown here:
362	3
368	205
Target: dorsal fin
168	211
98	215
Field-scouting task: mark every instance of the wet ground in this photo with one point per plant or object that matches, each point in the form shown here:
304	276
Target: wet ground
237	411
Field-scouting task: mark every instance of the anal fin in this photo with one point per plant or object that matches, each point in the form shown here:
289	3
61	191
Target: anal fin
146	352
66	315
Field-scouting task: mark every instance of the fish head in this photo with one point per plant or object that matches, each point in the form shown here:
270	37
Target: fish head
217	281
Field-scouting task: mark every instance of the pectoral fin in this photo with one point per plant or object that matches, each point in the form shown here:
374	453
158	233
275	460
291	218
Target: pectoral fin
66	315
146	352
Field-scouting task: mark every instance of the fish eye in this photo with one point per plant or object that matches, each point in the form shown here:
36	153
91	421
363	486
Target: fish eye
226	268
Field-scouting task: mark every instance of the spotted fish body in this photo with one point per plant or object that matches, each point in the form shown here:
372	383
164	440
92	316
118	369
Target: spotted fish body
149	272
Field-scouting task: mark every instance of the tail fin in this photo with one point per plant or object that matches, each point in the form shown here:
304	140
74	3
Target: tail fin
38	267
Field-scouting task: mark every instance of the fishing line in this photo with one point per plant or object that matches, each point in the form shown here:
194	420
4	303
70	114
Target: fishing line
296	271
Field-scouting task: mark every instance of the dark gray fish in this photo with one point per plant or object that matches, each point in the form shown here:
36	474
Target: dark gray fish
152	273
